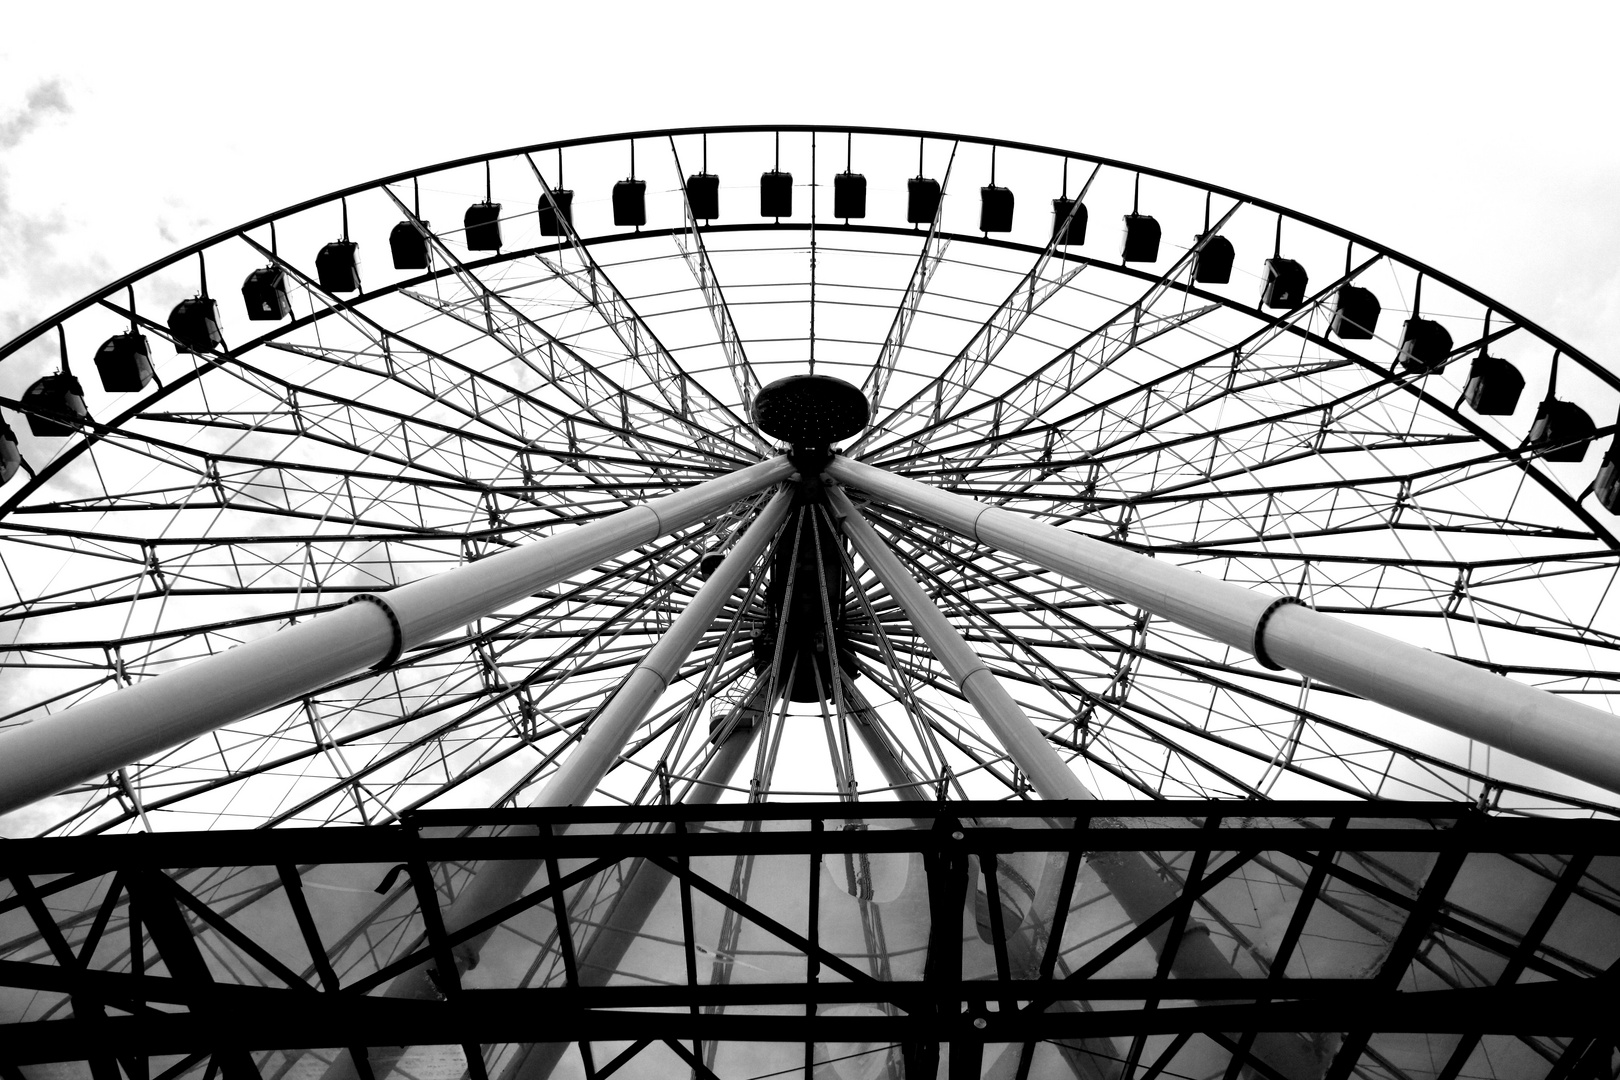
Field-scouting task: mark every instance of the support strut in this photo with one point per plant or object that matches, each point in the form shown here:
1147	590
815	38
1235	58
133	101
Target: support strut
105	733
1093	1058
1545	728
1136	885
492	885
644	885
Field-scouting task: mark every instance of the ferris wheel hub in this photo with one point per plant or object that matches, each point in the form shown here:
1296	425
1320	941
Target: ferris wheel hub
811	412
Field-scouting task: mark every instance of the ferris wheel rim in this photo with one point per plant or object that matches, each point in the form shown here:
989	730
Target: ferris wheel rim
1452	412
1570	501
29	334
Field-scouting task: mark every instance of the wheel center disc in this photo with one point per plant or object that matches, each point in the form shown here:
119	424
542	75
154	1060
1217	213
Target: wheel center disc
811	412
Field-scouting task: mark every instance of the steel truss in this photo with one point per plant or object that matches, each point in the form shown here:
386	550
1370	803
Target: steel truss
108	934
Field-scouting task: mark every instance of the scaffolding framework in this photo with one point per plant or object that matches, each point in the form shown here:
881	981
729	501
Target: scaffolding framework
160	948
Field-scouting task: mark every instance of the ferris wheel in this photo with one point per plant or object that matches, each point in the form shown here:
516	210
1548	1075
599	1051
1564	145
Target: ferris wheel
861	377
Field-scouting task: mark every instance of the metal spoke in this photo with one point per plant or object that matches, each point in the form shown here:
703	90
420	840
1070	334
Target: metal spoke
935	242
689	399
696	254
1063	370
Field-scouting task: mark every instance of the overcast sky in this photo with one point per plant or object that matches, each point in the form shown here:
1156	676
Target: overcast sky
1469	136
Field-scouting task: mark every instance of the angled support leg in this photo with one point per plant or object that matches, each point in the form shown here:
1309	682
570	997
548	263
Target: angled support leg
1137	887
495	884
1549	729
107	732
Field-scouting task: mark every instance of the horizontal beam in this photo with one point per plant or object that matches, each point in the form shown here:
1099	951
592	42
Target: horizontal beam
294	1020
395	843
1282	632
121	989
105	733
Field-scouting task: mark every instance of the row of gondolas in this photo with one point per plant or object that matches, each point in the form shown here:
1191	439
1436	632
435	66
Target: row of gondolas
1561	431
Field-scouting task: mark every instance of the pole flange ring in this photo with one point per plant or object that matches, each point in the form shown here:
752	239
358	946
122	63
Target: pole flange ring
1259	649
397	645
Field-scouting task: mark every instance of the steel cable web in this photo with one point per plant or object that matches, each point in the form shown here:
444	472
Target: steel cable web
499	394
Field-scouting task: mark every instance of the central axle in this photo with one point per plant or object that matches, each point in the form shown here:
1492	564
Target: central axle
808	593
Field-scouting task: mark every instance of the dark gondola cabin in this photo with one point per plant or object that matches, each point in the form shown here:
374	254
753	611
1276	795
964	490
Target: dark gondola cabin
409	246
995	209
265	294
922	200
1212	265
337	267
194	323
556	212
703	196
1355	313
1425	347
124	362
776	194
1561	431
483	224
1074	233
1285	284
1607	485
849	195
55	406
1141	239
1493	386
630	204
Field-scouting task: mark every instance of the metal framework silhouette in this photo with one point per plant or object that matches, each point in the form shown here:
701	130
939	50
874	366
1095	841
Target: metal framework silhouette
679	621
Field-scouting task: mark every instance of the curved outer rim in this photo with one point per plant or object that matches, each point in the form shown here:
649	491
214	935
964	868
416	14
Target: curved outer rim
1564	496
1563	346
1568	498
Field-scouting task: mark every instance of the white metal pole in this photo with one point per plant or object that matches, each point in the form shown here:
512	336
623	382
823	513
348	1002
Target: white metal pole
1023	741
498	883
1548	729
1088	1058
599	957
1132	881
104	733
577	777
494	884
883	752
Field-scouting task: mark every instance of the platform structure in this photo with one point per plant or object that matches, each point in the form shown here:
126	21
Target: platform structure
1420	936
1077	668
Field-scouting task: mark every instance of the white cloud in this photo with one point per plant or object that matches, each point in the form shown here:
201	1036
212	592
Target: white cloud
35	267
